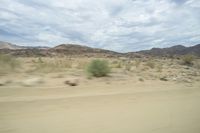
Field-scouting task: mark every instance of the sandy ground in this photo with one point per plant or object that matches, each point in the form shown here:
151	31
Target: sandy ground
101	106
128	101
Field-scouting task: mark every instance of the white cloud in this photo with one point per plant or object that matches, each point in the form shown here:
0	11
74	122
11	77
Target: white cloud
121	25
193	3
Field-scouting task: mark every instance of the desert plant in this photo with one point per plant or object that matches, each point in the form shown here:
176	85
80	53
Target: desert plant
40	60
188	59
81	64
98	68
141	79
8	63
159	67
137	63
119	65
150	64
164	78
46	66
116	64
197	65
128	66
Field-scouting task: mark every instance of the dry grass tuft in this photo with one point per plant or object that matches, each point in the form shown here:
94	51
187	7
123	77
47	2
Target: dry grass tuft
8	64
150	64
51	65
188	60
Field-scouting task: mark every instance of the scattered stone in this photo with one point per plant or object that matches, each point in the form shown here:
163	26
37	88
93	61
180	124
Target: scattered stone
164	78
184	74
72	81
174	79
32	81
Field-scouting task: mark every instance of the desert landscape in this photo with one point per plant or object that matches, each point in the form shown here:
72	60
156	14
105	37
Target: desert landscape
99	66
77	89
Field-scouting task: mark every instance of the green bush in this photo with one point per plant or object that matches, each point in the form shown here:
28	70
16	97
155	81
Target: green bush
188	59
98	68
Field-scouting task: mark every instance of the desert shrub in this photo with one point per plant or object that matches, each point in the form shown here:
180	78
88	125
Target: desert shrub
141	79
8	64
159	67
197	65
164	78
116	64
51	65
128	66
150	64
40	60
98	68
137	63
188	59
81	64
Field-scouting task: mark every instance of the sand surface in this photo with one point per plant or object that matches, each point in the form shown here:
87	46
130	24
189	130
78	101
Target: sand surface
98	107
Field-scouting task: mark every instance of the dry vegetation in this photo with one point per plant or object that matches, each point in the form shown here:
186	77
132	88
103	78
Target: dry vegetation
165	69
188	59
42	91
8	64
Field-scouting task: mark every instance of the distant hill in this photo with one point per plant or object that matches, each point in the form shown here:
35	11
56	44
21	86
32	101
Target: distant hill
79	50
6	45
174	50
60	50
74	49
71	47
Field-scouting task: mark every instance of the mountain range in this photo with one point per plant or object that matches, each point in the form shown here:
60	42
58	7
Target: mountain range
74	49
174	50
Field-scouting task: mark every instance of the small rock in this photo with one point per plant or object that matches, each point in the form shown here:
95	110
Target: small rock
184	74
164	78
174	79
32	81
187	68
72	81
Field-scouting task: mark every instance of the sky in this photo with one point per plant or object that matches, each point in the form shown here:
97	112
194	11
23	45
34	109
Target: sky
119	25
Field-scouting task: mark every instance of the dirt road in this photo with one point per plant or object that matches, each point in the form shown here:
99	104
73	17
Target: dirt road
174	110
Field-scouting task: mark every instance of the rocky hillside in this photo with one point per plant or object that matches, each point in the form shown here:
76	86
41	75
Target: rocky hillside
171	51
60	50
74	49
79	49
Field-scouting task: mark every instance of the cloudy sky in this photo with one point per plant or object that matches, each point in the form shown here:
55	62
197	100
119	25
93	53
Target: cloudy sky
120	25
